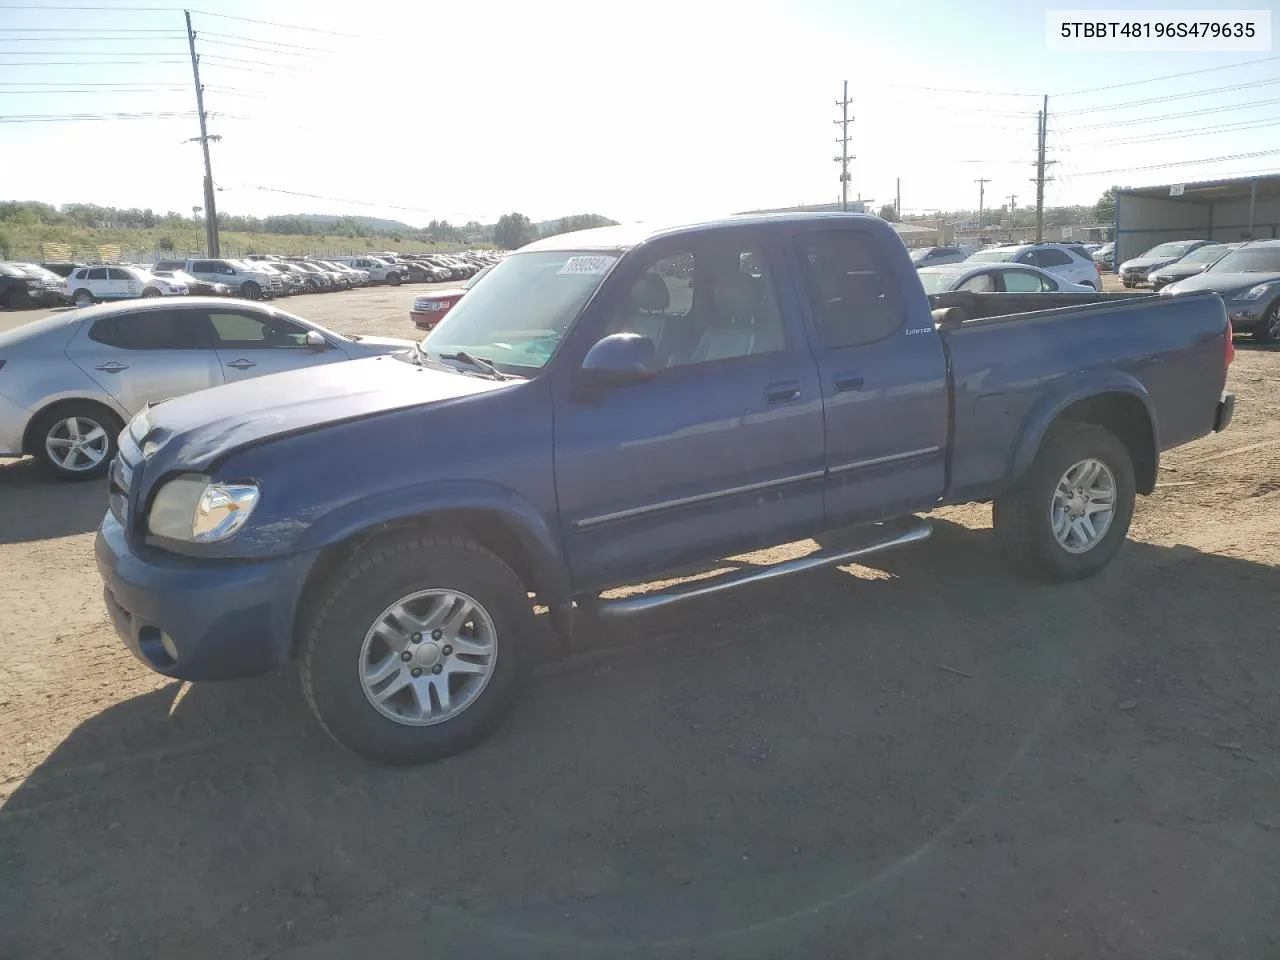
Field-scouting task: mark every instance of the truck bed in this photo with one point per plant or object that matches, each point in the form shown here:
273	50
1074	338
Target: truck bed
974	306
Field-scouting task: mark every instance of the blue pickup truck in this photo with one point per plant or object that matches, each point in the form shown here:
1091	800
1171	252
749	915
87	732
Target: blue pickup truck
608	407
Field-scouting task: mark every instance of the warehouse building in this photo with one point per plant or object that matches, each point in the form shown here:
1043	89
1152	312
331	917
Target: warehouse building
1224	210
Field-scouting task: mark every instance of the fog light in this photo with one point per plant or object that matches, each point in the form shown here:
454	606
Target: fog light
170	647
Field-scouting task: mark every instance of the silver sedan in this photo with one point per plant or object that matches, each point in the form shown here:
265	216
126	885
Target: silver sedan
988	277
69	382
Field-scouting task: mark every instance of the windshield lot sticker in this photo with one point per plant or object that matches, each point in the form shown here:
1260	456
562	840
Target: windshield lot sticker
587	266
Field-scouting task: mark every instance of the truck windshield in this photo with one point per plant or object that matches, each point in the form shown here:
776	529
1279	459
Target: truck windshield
1249	260
518	316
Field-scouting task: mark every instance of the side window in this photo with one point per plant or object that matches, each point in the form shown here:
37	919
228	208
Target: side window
149	330
203	266
713	301
81	274
98	273
851	287
982	283
1022	281
1053	258
115	273
254	332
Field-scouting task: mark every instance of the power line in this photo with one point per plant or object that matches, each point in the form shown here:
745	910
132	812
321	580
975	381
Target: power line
283	26
1194	132
273	43
120	89
983	93
1172	96
1175	116
1170	76
88	30
257	49
85	53
1182	163
83	63
59	117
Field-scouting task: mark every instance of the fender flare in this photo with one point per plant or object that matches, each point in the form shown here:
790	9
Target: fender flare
1046	412
420	502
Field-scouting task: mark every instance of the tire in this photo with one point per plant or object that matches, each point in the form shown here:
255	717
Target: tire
394	279
250	290
1024	517
82	298
1268	331
339	642
50	432
150	292
1127	284
17	299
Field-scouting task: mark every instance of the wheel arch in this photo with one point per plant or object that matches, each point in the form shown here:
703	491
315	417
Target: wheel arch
513	531
1121	406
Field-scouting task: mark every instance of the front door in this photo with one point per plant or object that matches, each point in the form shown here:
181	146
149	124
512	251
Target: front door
884	383
145	357
722	451
253	344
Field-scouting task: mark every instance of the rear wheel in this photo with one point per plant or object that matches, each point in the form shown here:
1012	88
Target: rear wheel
76	441
418	650
1269	330
394	279
16	299
82	298
1069	515
150	292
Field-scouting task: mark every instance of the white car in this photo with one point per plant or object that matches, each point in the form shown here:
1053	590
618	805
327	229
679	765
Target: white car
379	270
94	284
1065	261
995	278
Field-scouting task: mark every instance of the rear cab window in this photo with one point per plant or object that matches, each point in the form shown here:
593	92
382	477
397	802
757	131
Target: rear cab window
853	294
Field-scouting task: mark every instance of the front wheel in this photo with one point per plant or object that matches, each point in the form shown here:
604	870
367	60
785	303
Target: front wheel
418	649
1069	515
1269	330
250	290
82	298
150	292
394	279
76	441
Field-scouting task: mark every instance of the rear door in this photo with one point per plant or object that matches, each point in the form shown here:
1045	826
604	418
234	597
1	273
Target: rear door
123	284
146	356
251	344
884	384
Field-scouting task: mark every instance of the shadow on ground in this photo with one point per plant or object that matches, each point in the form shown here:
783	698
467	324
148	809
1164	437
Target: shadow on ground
943	762
35	507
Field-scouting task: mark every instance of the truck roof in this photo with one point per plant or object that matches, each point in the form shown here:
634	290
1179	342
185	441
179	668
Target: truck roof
624	236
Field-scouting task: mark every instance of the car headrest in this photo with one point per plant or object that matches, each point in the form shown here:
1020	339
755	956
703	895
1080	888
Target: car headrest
651	294
736	296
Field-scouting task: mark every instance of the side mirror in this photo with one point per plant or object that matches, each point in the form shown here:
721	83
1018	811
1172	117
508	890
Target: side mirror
316	342
620	359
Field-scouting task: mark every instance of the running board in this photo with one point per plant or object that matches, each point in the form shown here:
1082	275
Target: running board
883	536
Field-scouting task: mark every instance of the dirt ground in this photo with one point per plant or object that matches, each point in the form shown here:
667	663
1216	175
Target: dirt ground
923	757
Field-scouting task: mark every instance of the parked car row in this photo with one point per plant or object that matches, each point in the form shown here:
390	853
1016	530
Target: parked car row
1247	278
255	277
1070	263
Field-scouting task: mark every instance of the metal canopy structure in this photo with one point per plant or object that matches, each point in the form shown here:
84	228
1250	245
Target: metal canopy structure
1225	210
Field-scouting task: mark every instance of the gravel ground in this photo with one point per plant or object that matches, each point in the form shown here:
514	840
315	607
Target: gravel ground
922	757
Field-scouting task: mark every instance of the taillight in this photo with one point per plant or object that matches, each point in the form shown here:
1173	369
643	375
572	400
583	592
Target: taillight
1231	347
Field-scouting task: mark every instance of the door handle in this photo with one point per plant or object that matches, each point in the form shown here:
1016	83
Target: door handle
782	393
849	383
242	364
112	366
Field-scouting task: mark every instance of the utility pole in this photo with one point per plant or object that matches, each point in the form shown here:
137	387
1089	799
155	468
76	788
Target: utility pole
982	186
843	140
897	202
1042	134
1013	206
210	205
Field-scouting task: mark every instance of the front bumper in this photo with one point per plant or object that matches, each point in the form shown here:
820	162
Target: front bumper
1226	410
1245	318
223	619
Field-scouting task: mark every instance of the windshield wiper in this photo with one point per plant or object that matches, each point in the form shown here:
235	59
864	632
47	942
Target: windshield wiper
480	363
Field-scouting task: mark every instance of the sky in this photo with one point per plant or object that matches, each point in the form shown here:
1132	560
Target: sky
654	111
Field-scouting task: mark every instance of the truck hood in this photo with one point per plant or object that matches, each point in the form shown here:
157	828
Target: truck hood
196	430
1224	284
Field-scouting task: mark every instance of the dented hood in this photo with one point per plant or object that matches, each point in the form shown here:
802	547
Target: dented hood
194	431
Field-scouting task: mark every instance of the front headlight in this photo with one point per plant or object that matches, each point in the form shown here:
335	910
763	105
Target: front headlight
1255	293
195	510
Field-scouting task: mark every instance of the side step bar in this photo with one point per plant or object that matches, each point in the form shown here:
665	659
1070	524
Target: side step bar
878	537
